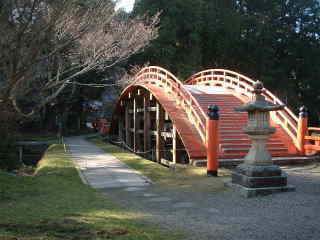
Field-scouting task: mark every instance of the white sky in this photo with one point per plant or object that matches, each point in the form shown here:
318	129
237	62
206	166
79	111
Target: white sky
126	4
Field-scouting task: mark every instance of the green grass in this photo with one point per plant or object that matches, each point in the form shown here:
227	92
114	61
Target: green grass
189	178
51	139
54	204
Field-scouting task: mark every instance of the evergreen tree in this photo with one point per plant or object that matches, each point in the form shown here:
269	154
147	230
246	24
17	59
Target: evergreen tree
281	43
178	47
276	42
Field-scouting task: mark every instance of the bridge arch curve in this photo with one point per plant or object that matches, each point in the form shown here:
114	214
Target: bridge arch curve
164	118
158	100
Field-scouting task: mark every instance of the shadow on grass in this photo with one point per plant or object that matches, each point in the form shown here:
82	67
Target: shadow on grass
54	204
66	229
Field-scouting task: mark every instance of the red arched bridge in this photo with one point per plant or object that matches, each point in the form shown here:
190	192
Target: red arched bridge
164	119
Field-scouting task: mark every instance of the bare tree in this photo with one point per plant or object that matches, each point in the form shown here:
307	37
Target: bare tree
45	46
128	77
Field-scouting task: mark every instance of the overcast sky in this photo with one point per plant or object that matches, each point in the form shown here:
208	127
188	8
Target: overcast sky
126	4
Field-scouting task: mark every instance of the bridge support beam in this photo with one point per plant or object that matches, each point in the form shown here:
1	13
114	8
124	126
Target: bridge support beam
120	130
159	129
128	125
176	146
146	126
135	126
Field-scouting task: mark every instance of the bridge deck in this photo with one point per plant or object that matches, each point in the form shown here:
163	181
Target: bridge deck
234	143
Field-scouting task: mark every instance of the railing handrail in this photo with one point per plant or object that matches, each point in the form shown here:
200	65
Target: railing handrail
312	143
314	129
244	85
163	78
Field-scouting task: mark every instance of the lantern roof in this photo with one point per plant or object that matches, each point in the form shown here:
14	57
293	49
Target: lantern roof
259	103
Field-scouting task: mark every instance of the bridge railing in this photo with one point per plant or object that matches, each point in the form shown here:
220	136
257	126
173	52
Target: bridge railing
162	78
312	144
242	86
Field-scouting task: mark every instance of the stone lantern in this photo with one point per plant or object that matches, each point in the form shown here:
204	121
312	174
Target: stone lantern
257	175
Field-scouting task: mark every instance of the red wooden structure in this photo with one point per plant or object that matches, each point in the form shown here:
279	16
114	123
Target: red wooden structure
101	125
165	119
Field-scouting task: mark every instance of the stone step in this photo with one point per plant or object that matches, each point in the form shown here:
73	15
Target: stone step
232	113
237	155
246	149
230	106
221	106
248	145
231	125
233	136
220	98
232	121
230	128
223	131
233	116
236	141
276	160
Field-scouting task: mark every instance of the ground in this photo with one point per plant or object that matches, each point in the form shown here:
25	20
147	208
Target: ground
226	215
222	213
180	204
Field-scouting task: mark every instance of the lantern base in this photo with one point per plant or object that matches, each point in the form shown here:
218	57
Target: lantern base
255	192
260	180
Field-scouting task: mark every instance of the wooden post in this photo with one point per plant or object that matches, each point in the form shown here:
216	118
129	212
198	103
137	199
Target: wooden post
302	129
79	123
159	139
127	126
175	146
135	125
146	127
21	154
120	129
212	140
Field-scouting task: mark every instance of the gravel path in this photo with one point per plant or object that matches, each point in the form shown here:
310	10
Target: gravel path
204	215
227	215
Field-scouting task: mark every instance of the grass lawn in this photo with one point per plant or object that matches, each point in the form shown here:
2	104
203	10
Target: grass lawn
189	178
52	138
54	204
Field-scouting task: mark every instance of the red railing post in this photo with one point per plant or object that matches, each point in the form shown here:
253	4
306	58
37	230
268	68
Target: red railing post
302	129
212	140
104	130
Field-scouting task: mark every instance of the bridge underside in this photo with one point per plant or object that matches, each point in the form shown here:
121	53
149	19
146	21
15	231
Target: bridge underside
149	121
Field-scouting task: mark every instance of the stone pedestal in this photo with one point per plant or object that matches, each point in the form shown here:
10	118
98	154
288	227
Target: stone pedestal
260	180
257	175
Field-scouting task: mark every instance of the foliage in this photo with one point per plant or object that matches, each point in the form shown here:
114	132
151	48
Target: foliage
276	42
46	45
178	47
55	204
